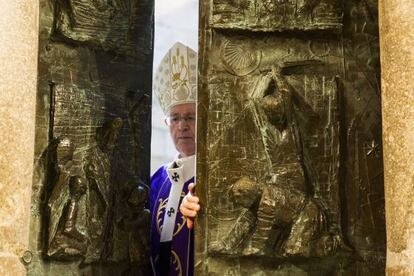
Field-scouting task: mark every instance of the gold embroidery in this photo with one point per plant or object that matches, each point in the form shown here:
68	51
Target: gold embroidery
175	81
175	261
162	204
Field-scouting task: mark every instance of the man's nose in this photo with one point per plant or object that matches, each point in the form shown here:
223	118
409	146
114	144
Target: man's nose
182	124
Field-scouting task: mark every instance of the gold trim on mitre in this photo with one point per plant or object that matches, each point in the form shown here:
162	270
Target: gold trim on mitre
175	80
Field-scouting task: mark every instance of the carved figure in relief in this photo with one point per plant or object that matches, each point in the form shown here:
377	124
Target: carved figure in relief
65	239
246	193
80	204
279	216
291	221
101	24
77	188
97	168
286	204
134	221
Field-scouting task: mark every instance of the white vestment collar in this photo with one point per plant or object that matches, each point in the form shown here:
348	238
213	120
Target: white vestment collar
188	165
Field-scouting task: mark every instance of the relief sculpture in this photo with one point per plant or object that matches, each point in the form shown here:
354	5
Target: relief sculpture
282	218
282	173
90	190
86	186
91	216
275	15
107	25
133	222
63	206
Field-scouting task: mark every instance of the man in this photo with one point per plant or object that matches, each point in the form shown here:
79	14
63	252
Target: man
172	241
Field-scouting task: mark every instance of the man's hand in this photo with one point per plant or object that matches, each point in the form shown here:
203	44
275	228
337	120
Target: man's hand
190	206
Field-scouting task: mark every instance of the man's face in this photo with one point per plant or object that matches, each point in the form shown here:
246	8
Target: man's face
181	121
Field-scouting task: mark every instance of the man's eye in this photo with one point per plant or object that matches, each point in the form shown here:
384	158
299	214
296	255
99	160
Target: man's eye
175	119
191	118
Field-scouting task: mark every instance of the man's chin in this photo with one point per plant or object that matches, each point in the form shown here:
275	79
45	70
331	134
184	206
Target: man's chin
183	154
185	146
186	151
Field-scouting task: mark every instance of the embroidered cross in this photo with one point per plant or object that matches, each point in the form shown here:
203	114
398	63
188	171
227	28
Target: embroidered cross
171	211
175	177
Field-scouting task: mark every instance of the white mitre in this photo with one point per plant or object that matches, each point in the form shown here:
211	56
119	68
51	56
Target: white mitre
175	80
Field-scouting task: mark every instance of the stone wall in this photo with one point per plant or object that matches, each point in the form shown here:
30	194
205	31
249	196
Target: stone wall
397	61
18	71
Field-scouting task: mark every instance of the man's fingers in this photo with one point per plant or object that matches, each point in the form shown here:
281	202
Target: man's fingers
190	223
192	199
192	206
189	207
189	211
190	214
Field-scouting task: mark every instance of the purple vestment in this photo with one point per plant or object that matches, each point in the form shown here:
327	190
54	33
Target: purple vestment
180	251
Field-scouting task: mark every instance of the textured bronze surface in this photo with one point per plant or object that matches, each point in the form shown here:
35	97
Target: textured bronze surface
265	15
289	139
114	25
92	139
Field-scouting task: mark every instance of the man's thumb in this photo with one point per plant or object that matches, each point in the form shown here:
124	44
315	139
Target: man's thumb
191	188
